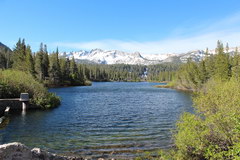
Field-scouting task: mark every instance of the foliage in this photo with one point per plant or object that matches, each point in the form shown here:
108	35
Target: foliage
5	56
13	82
212	133
125	72
162	72
221	66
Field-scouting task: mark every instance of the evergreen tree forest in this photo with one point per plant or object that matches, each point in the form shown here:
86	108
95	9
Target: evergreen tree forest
52	69
5	56
222	65
124	72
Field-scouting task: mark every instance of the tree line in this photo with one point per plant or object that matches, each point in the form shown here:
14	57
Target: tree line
222	65
165	72
48	68
54	69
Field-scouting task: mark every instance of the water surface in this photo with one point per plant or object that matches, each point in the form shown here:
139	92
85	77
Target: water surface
109	119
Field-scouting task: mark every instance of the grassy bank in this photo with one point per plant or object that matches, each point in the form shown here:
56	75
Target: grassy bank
175	85
13	83
67	84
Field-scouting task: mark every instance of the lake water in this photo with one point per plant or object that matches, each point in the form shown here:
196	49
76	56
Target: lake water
107	119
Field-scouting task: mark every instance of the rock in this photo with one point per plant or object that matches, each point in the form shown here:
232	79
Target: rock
18	151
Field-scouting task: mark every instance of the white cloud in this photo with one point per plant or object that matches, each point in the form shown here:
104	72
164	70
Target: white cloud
226	30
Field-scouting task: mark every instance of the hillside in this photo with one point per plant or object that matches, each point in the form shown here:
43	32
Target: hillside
5	56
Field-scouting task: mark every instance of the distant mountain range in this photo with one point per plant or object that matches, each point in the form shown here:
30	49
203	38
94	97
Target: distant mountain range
5	56
100	56
4	48
119	57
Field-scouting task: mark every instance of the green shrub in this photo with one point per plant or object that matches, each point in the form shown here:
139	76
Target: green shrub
13	83
214	131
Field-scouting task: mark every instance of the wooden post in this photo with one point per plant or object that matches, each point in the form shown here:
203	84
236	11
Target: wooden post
24	98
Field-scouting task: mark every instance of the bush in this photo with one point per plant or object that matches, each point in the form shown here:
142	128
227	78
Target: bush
13	83
214	131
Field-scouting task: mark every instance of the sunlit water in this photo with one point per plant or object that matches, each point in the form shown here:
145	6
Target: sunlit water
109	119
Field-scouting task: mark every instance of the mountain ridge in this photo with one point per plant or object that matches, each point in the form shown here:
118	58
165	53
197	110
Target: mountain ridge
120	57
100	56
4	48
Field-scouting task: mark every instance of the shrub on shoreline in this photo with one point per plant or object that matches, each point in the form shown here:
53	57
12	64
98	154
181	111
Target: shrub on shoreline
13	83
214	132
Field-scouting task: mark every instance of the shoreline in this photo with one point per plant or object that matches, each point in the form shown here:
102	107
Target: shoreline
16	150
175	87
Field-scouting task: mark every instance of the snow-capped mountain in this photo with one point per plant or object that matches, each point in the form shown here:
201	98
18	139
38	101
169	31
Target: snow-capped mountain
111	57
194	55
119	57
159	57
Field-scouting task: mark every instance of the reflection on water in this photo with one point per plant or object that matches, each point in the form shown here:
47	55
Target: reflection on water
23	113
106	119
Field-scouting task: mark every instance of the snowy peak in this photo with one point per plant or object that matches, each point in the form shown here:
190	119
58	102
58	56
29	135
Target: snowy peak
159	57
194	55
110	57
119	57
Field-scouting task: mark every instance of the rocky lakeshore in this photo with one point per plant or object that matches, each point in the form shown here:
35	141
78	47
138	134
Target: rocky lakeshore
19	151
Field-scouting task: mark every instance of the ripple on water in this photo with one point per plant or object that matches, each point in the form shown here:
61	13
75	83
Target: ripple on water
103	120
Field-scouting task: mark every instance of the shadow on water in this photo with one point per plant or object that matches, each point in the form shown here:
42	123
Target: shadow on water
109	119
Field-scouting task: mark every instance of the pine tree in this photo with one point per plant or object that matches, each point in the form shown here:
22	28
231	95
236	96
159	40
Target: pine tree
65	68
39	67
207	52
19	55
55	70
203	75
81	74
222	64
210	65
29	61
236	65
219	49
73	70
45	62
227	48
3	61
73	66
222	67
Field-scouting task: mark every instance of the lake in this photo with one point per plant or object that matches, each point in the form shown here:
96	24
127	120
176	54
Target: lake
107	119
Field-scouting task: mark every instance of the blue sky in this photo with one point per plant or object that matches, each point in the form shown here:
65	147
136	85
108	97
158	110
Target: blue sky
147	26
